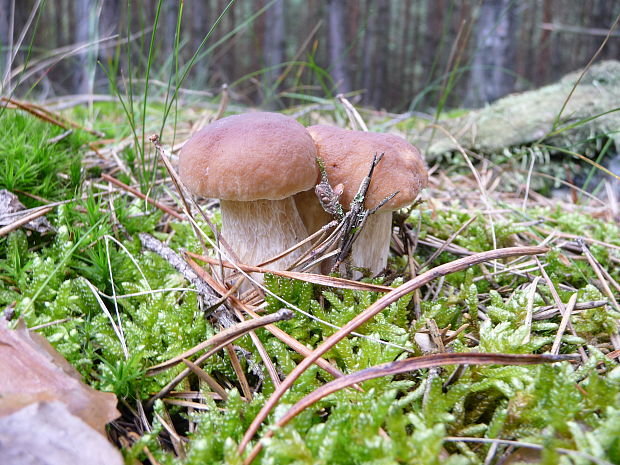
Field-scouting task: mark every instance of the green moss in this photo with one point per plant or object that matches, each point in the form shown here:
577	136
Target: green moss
31	162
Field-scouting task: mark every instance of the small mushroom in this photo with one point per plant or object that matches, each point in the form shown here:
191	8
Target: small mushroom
347	156
254	163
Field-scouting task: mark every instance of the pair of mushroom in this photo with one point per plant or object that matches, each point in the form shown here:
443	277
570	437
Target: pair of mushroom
262	166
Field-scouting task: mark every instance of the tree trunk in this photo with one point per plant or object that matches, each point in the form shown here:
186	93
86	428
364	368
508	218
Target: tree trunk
5	23
492	74
338	54
352	9
405	40
168	26
544	47
273	49
84	32
603	13
199	24
368	52
108	26
382	55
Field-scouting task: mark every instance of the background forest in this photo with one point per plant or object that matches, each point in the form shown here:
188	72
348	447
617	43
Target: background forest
399	54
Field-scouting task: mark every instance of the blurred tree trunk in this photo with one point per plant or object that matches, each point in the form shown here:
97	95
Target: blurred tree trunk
376	51
170	12
5	22
200	23
273	49
382	53
352	9
109	19
368	52
544	46
411	85
404	46
109	26
226	58
338	54
602	16
84	32
492	74
438	13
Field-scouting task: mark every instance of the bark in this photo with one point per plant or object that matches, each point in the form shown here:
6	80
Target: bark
199	25
492	74
544	47
338	54
5	18
368	53
84	32
382	55
273	49
109	25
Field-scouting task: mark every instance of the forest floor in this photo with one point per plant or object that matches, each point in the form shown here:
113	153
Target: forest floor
101	282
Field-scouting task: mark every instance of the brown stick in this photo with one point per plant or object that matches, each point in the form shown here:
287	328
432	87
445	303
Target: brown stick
560	305
48	116
139	194
207	378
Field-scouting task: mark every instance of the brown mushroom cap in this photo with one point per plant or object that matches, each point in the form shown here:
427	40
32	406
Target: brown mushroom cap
348	154
249	157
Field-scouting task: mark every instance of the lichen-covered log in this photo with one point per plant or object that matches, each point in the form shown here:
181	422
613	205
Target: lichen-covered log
525	118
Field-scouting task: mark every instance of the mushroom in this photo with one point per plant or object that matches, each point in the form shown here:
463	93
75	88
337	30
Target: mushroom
254	163
347	156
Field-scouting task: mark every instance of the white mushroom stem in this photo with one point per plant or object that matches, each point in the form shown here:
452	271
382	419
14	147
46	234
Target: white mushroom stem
370	250
259	230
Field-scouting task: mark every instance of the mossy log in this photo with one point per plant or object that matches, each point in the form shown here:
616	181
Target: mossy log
527	117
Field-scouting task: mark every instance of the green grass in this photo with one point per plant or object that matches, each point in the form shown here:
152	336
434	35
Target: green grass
30	162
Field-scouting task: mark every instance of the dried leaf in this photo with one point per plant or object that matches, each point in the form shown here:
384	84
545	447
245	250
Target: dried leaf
32	371
46	433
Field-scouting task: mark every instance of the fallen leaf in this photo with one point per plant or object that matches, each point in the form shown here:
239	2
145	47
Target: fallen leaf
46	433
32	371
